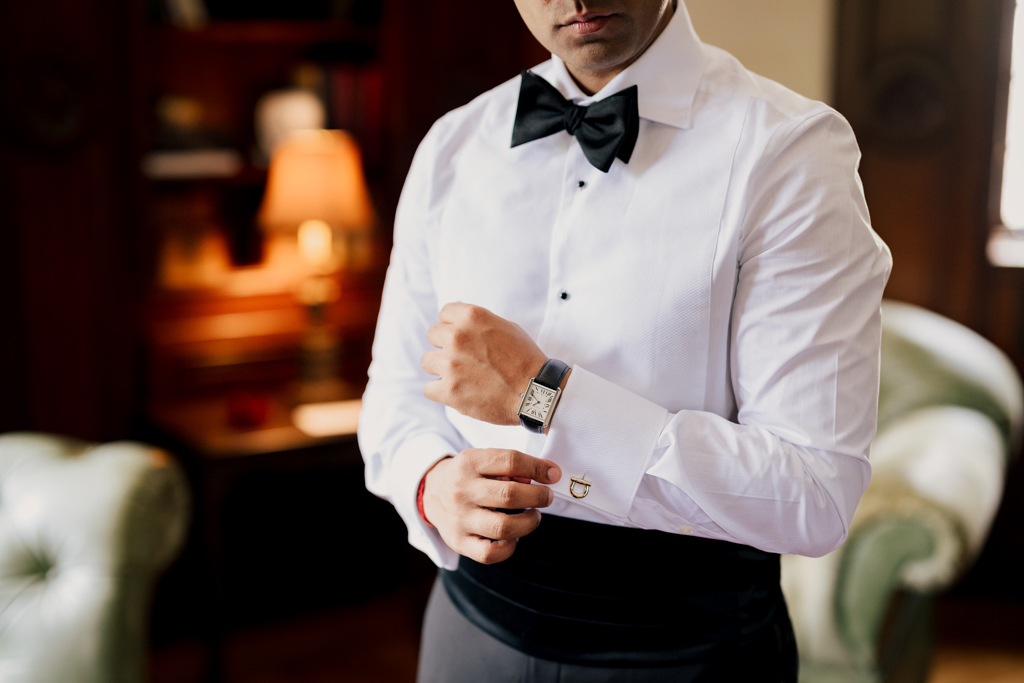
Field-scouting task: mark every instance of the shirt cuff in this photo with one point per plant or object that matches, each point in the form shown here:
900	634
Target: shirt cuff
409	465
605	435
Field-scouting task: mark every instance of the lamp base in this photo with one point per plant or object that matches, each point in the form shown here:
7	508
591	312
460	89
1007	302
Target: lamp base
324	391
321	352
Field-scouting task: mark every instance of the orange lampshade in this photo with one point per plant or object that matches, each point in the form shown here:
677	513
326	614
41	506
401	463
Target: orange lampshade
318	175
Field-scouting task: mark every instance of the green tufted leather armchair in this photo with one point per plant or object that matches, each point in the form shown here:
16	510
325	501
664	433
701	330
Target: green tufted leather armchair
950	412
84	530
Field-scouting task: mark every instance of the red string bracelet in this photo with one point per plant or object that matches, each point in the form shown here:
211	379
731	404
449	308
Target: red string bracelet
419	501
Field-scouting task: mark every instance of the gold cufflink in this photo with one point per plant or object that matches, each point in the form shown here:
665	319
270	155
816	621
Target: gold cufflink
582	482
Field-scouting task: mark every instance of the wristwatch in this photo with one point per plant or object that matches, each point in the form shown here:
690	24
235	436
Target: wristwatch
541	396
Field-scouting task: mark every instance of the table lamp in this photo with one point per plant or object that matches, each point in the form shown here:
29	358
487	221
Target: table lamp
316	190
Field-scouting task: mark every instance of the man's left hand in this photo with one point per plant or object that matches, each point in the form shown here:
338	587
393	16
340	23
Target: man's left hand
484	362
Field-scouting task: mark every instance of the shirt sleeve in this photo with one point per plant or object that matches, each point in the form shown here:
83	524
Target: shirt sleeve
786	472
401	433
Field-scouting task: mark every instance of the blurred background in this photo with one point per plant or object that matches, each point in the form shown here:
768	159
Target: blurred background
192	254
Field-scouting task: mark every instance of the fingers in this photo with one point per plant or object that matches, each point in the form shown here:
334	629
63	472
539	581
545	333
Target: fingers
434	362
486	551
469	498
511	495
497	526
434	391
521	480
440	334
495	462
446	335
457	310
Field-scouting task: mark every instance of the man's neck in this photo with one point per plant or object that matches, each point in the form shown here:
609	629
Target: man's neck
591	82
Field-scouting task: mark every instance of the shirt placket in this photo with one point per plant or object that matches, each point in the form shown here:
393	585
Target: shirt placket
576	184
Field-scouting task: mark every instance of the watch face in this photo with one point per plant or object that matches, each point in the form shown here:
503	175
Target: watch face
537	402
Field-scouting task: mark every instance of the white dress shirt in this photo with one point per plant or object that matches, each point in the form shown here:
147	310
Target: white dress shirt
717	297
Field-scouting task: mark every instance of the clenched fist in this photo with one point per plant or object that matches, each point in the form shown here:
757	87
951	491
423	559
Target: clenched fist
484	362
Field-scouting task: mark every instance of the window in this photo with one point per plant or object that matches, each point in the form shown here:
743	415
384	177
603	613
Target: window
1012	205
1006	244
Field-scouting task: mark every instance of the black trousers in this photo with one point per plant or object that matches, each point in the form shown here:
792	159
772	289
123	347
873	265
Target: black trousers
454	650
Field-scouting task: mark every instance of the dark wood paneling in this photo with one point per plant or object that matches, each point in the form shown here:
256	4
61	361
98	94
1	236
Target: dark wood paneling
923	82
67	162
918	82
440	55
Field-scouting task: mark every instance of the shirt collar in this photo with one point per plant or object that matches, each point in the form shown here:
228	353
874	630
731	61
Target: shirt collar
666	75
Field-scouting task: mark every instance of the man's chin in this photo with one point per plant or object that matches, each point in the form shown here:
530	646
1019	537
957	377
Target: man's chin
597	56
594	52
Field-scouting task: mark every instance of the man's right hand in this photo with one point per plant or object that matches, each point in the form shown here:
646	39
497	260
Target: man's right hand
461	493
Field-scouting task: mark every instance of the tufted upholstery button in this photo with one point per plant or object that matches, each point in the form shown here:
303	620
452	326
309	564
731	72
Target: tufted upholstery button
44	569
84	528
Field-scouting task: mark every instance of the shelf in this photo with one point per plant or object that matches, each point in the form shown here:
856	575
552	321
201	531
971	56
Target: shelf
261	32
247	176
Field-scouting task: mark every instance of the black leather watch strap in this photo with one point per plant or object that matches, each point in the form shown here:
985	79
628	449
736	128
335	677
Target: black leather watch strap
552	373
550	376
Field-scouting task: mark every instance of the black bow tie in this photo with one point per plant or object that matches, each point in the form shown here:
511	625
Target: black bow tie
605	130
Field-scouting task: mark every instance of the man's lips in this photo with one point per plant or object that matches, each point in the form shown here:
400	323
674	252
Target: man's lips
587	23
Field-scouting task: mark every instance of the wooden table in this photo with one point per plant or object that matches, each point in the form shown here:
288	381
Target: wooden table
216	454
